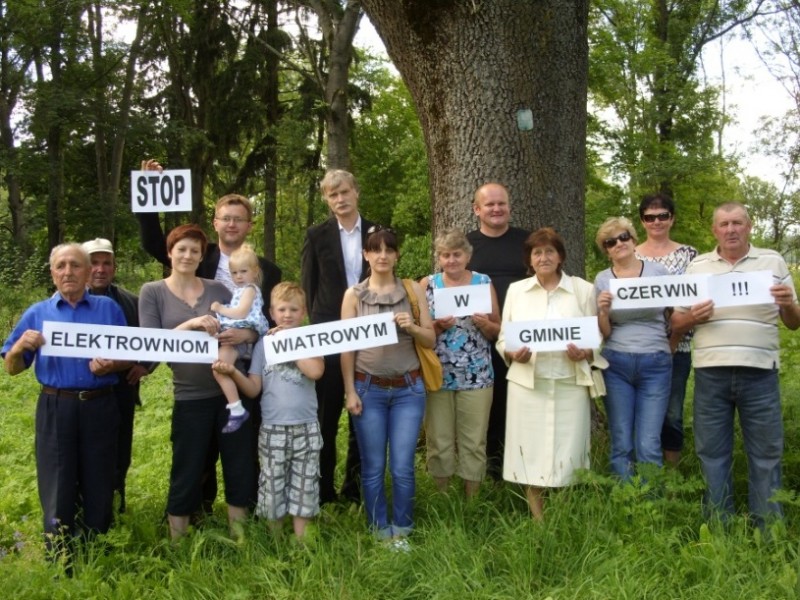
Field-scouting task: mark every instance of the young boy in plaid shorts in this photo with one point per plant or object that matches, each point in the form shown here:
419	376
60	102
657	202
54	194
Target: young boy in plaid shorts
289	440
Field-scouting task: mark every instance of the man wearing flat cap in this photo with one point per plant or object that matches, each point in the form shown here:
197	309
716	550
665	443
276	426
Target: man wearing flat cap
101	283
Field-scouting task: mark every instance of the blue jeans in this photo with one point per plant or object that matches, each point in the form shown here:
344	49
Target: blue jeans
755	393
672	431
389	417
637	387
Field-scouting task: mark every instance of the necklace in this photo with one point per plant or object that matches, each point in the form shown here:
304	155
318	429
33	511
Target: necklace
465	277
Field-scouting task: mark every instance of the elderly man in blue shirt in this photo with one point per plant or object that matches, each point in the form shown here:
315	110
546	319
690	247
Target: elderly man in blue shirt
76	414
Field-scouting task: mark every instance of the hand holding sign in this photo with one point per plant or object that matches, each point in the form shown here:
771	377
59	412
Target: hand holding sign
462	301
156	190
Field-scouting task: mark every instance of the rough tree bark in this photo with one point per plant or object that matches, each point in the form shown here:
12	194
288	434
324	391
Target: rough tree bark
471	66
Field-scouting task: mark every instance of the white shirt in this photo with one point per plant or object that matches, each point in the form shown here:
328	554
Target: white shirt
223	274
351	250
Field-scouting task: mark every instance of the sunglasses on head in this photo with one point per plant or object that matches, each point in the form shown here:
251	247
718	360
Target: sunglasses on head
664	216
625	236
377	228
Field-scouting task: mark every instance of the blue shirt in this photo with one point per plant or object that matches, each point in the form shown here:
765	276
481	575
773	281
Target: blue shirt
66	372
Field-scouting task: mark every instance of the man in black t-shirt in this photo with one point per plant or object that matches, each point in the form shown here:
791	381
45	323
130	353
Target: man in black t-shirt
497	250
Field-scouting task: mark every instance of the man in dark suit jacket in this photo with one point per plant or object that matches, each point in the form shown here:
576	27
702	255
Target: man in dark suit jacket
332	262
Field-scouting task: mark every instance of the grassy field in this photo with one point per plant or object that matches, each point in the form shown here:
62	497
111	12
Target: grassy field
599	539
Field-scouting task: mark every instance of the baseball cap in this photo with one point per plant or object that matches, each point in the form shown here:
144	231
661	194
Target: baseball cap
98	245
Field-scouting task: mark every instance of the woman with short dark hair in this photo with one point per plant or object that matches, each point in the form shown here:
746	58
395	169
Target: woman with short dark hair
548	421
657	214
182	302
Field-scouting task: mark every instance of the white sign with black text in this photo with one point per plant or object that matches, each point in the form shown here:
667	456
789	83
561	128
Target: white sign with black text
462	301
658	292
168	191
330	338
729	289
741	289
548	335
143	344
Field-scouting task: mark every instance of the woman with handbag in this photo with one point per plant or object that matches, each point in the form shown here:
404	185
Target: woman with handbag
384	390
548	420
457	415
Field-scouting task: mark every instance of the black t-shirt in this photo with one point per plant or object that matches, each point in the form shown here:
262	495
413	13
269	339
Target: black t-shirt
501	258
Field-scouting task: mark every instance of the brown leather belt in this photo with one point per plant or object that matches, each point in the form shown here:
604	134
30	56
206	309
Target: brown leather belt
77	394
389	382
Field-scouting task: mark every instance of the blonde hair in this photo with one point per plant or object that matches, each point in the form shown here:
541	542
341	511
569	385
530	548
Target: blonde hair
608	228
452	239
245	256
288	291
235	200
336	177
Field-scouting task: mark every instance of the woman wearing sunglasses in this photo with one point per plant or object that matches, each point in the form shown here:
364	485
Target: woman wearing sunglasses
637	349
657	213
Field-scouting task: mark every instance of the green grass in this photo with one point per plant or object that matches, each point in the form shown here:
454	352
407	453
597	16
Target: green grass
599	540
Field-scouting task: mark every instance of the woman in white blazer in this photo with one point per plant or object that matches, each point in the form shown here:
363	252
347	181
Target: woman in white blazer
548	421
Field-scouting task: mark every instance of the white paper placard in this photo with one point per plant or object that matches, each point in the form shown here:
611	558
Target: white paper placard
330	338
462	301
741	289
143	344
552	334
658	292
168	191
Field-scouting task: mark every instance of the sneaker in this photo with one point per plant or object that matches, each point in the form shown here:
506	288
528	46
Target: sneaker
400	545
235	421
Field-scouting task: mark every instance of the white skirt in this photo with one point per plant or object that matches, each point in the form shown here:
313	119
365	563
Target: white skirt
547	432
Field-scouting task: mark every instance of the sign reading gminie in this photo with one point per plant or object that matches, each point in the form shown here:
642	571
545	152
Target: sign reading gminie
729	289
551	334
330	338
462	301
144	344
168	191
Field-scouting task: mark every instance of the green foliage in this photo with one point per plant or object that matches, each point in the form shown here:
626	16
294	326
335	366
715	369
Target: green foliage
599	539
657	125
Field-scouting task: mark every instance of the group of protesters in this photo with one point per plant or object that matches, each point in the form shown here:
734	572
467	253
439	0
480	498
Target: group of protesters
503	411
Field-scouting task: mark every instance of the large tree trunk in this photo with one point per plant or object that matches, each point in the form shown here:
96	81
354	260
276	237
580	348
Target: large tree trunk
470	68
339	38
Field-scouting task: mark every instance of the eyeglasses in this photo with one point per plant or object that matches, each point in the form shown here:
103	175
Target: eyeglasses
625	236
664	216
234	220
377	228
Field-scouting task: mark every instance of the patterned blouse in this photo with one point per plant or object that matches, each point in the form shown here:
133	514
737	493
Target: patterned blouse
254	320
676	263
465	353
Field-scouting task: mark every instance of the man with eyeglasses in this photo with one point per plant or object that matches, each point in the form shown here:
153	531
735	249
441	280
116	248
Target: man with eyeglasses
232	221
497	251
736	359
332	262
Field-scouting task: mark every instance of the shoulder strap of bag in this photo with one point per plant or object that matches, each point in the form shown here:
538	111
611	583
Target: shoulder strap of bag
412	299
